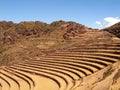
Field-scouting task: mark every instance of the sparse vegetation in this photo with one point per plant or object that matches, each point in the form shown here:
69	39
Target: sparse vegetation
6	59
115	29
61	53
36	34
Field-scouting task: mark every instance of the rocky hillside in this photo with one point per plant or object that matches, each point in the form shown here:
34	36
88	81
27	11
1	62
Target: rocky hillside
115	29
32	38
11	32
58	56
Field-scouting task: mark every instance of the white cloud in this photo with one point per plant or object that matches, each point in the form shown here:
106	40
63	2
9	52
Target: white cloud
111	21
98	23
106	22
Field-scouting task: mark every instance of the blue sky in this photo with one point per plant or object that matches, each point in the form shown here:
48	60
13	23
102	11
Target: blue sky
92	13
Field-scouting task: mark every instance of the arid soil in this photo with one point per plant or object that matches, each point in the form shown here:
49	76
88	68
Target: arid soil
58	56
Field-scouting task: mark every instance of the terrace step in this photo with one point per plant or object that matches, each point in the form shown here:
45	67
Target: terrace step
56	79
13	82
61	70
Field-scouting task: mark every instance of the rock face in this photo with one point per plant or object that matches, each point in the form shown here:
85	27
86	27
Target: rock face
58	56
